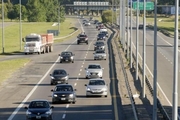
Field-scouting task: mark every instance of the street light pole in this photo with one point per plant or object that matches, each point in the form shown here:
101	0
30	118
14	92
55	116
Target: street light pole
131	38
137	38
20	25
59	19
175	76
2	26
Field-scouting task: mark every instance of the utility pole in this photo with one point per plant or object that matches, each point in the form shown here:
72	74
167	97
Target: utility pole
131	39
137	38
59	19
20	26
3	26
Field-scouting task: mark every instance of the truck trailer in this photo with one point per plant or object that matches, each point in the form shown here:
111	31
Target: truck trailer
38	43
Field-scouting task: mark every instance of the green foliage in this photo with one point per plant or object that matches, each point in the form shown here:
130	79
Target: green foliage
106	16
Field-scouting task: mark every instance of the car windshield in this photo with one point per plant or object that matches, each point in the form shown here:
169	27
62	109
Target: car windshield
96	82
66	53
63	88
59	72
101	35
100	51
82	35
94	67
39	104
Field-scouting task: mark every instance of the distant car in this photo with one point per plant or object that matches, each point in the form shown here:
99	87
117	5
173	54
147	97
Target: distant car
84	21
96	21
98	24
59	76
87	23
82	38
94	71
39	109
96	87
66	56
101	36
105	32
99	45
63	93
99	55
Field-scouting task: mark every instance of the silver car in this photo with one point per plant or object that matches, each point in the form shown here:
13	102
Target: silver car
94	71
99	45
96	87
99	55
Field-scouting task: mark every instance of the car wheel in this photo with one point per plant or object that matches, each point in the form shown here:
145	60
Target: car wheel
73	102
101	77
51	83
86	77
73	61
60	61
104	59
87	43
94	59
105	95
53	102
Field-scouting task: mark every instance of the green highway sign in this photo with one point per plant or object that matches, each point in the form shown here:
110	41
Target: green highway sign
149	5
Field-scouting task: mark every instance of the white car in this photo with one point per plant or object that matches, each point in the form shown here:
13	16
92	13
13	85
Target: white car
94	71
96	87
87	23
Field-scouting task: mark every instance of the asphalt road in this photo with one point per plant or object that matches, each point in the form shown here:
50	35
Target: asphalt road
33	82
165	57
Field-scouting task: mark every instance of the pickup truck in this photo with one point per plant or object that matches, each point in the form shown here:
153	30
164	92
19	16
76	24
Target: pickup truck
82	38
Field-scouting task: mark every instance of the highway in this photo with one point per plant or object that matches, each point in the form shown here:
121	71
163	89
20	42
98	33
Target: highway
33	82
165	51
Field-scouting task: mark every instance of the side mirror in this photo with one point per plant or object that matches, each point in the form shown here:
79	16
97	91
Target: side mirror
52	90
85	85
50	74
52	107
25	107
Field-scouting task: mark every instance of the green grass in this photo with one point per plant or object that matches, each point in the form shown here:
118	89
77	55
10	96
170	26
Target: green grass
163	22
10	66
11	32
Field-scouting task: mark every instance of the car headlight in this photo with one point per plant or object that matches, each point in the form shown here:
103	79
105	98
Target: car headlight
48	112
100	73
71	57
104	89
28	112
55	95
52	77
88	89
61	57
71	95
66	77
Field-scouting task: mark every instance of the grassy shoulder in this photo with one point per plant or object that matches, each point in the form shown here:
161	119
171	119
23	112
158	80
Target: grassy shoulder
12	40
10	66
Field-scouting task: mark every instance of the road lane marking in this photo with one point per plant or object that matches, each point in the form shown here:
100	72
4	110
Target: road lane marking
79	74
64	115
82	66
67	106
75	84
80	69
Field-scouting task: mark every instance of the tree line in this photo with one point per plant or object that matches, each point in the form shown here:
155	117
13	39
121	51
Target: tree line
34	10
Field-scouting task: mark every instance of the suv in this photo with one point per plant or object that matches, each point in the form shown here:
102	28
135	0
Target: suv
101	36
82	38
99	45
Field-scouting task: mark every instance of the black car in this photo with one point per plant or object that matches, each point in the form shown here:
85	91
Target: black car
101	36
82	38
66	56
59	76
63	93
105	32
39	109
99	45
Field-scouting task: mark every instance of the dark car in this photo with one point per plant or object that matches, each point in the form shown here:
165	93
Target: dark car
105	32
59	76
66	56
141	26
82	38
99	45
39	109
63	93
101	36
96	21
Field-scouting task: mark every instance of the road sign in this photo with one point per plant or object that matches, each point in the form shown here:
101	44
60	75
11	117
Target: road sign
149	5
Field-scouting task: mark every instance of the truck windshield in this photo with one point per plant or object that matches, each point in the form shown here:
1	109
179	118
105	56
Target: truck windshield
32	39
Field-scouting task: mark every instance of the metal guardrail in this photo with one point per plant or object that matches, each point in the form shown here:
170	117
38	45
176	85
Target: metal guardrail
126	78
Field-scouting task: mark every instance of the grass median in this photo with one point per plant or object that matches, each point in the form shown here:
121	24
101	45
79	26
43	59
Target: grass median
12	42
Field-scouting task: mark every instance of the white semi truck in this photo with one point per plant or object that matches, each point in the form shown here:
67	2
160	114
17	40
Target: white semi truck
38	43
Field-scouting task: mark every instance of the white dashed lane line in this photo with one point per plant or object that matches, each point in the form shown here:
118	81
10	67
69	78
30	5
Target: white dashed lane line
82	66
80	69
67	105
79	74
64	115
75	84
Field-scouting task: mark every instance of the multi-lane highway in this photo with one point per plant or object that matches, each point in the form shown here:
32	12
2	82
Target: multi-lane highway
165	52
33	82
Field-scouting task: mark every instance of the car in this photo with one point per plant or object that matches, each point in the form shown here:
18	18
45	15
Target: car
66	56
105	32
82	38
99	55
59	76
84	21
96	87
87	23
39	109
63	93
96	21
101	27
140	26
99	45
101	36
98	24
94	70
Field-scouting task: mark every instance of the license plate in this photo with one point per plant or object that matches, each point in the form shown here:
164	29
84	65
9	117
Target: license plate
38	117
63	98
